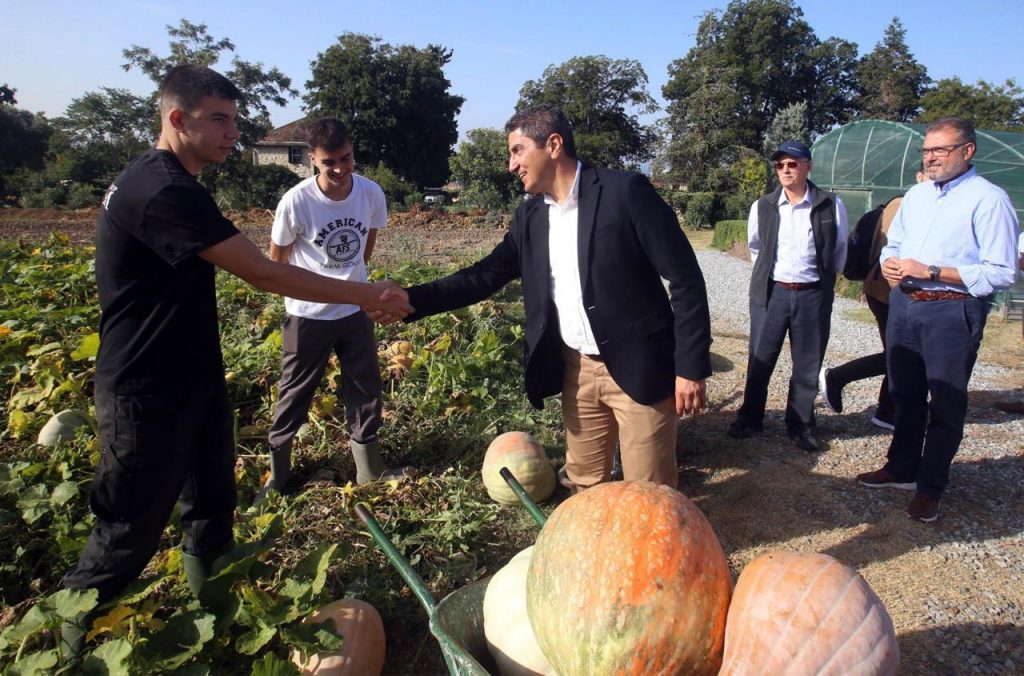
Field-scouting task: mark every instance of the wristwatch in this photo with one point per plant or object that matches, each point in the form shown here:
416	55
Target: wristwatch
933	272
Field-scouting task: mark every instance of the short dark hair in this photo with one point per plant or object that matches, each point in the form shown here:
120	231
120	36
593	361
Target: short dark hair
327	133
964	127
184	86
541	121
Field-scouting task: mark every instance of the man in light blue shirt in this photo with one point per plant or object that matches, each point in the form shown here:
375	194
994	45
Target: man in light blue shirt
951	246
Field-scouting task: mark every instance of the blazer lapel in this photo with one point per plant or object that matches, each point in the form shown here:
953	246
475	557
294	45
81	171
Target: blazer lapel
537	231
590	192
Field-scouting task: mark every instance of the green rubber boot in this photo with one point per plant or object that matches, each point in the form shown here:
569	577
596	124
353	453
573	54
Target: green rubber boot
280	472
370	466
197	570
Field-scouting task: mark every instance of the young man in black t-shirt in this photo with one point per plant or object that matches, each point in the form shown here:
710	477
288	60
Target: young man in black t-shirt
165	421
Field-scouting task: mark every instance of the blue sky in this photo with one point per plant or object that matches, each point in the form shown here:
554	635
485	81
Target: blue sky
55	51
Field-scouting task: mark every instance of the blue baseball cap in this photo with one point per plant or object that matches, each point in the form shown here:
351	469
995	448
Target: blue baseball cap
793	149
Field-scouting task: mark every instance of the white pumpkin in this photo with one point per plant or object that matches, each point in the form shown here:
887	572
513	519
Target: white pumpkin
61	427
506	624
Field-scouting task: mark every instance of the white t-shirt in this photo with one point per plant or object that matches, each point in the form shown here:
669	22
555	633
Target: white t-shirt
328	237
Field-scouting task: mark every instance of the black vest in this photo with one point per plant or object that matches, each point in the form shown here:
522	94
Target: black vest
823	226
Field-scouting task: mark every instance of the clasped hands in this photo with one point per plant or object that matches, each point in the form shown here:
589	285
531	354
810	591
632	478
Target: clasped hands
896	270
387	302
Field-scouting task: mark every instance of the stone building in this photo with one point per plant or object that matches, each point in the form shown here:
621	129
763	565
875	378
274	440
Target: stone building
285	145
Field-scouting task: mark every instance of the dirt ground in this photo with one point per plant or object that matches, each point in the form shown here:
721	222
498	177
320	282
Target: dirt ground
954	589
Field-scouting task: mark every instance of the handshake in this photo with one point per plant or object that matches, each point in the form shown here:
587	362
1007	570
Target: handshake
386	302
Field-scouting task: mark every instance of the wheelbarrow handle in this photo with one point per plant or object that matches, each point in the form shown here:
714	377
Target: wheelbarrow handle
415	582
523	496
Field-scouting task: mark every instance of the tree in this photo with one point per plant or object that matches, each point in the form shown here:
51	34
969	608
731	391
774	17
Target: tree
99	133
480	165
988	106
759	56
24	139
790	124
190	43
890	81
601	97
395	101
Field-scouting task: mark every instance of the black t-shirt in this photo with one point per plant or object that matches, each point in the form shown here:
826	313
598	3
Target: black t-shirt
159	306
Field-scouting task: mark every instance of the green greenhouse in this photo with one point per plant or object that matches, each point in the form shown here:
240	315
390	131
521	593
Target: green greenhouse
870	161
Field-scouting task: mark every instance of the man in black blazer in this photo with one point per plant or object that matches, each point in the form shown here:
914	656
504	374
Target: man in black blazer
591	247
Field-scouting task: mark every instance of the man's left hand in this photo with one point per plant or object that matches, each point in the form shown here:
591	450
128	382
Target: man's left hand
691	395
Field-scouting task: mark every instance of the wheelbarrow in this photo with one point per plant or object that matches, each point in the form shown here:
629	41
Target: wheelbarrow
457	622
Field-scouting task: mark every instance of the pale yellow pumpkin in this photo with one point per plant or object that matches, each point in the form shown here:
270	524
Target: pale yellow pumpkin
506	624
807	613
361	628
526	459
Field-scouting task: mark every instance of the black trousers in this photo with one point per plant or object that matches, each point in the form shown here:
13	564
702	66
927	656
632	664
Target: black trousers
932	349
871	366
805	315
171	445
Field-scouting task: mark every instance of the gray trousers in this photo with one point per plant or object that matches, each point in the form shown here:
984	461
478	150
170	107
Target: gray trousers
308	344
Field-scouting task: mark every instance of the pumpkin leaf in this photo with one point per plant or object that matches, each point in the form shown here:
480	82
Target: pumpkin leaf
69	603
109	658
34	504
110	622
252	641
41	663
312	568
18	422
180	640
272	665
63	492
87	348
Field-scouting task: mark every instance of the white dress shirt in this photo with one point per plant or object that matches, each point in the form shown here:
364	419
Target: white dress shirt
795	256
566	289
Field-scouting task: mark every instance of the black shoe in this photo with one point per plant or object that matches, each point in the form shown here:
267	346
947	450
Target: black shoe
804	441
832	395
742	430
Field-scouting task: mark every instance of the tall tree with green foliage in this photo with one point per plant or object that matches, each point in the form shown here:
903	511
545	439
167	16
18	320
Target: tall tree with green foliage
191	43
395	101
101	132
987	105
890	81
480	165
23	140
789	125
602	98
768	57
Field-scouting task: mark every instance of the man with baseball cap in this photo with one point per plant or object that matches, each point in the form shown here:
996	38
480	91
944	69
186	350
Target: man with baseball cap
797	240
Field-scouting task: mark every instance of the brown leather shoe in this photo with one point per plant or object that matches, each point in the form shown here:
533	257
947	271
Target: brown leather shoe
1010	406
923	508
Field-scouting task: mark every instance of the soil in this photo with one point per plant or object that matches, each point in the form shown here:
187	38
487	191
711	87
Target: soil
954	589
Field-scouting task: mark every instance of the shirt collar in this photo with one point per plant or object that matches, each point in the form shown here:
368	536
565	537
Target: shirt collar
574	192
949	185
805	199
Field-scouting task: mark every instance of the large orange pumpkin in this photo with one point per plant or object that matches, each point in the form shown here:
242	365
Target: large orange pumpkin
807	613
526	459
629	578
362	653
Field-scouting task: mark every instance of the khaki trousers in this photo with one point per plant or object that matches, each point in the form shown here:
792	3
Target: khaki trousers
597	413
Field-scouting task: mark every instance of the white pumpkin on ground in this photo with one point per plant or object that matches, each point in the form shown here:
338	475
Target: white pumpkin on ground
506	624
61	427
526	459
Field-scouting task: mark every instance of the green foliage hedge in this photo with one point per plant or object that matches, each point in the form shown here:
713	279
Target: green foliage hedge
727	232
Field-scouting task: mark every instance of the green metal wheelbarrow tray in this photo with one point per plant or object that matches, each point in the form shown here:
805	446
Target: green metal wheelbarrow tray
457	622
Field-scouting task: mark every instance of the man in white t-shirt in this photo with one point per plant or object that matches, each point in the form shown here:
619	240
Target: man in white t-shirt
328	224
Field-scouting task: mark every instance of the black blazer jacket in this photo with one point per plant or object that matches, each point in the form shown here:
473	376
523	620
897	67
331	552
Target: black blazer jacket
629	238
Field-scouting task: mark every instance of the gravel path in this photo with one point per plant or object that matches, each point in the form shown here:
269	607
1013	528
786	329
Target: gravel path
955	589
